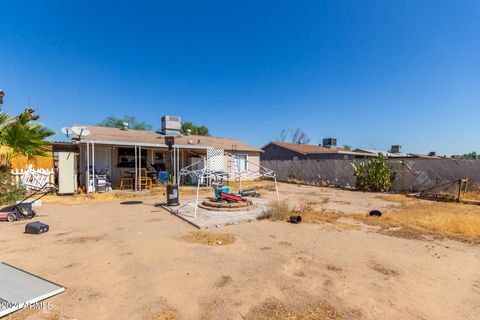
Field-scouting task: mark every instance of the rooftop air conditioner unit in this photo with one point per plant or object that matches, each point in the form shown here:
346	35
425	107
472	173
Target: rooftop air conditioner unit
171	125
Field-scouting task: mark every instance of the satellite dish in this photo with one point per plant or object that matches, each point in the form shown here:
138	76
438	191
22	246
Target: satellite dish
77	130
81	131
66	131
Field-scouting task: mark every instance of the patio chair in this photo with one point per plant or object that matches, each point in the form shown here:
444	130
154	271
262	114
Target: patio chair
144	180
125	181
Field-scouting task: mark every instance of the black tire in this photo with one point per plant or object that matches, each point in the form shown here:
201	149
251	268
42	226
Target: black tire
11	217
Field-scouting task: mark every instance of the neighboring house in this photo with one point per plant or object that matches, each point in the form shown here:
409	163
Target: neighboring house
292	151
115	151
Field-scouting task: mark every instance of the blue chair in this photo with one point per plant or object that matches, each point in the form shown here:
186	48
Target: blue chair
162	176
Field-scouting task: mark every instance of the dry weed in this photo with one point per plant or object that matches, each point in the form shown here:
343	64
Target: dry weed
210	238
449	220
169	314
275	309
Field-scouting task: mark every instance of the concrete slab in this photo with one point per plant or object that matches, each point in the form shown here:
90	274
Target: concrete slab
20	289
213	219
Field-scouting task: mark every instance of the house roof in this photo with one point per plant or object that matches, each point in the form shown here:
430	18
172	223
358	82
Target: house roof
131	136
314	149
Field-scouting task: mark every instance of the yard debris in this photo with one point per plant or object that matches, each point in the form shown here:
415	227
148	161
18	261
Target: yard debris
210	238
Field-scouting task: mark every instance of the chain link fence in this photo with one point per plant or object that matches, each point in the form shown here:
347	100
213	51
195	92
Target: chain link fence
412	175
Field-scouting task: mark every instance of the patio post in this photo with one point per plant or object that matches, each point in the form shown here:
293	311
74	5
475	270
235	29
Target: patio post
87	172
140	167
93	167
135	164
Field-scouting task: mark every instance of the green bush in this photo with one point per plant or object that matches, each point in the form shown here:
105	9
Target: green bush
9	194
374	174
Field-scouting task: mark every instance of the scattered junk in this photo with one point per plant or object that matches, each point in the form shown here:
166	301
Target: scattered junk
36	227
295	219
449	191
24	208
375	213
20	289
249	193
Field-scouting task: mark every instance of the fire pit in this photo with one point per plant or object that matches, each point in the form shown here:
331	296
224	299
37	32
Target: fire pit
221	205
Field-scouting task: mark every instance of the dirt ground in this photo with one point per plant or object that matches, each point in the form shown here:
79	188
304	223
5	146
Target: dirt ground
134	262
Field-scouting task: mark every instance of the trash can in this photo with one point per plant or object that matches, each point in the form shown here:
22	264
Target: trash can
172	195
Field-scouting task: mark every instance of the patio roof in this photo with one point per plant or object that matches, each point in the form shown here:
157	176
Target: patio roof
115	136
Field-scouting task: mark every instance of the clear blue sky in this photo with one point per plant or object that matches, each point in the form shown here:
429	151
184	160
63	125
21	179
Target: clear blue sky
371	73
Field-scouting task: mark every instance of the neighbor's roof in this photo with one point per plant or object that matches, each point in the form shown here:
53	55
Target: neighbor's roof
131	136
314	149
385	153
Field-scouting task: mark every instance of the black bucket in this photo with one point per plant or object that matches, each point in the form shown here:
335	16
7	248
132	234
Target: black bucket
172	195
375	213
295	219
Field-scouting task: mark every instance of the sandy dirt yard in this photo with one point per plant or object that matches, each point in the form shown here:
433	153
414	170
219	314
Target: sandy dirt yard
133	262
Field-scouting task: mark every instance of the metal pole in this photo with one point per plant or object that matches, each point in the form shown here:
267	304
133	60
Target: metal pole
136	168
87	175
174	160
93	167
196	199
276	190
178	166
140	167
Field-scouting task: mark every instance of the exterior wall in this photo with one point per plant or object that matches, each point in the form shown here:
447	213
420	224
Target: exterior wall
274	152
253	163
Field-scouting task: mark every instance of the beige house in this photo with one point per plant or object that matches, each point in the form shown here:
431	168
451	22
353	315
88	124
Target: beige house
121	152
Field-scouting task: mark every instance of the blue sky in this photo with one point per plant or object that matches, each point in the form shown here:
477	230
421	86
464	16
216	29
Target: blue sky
370	73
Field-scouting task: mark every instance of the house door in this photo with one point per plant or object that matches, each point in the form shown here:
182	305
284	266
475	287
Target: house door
102	160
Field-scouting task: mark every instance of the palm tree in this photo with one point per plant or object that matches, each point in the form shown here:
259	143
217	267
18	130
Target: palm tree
22	135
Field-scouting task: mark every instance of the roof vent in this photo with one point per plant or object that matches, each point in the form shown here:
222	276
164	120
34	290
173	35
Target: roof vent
330	142
125	126
188	132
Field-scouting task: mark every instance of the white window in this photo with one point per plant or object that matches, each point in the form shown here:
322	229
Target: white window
241	162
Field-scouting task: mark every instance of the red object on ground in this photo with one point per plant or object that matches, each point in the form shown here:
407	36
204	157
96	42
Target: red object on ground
231	197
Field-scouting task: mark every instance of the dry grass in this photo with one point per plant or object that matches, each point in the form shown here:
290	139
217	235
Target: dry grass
275	309
169	314
444	220
396	198
471	195
283	211
210	238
